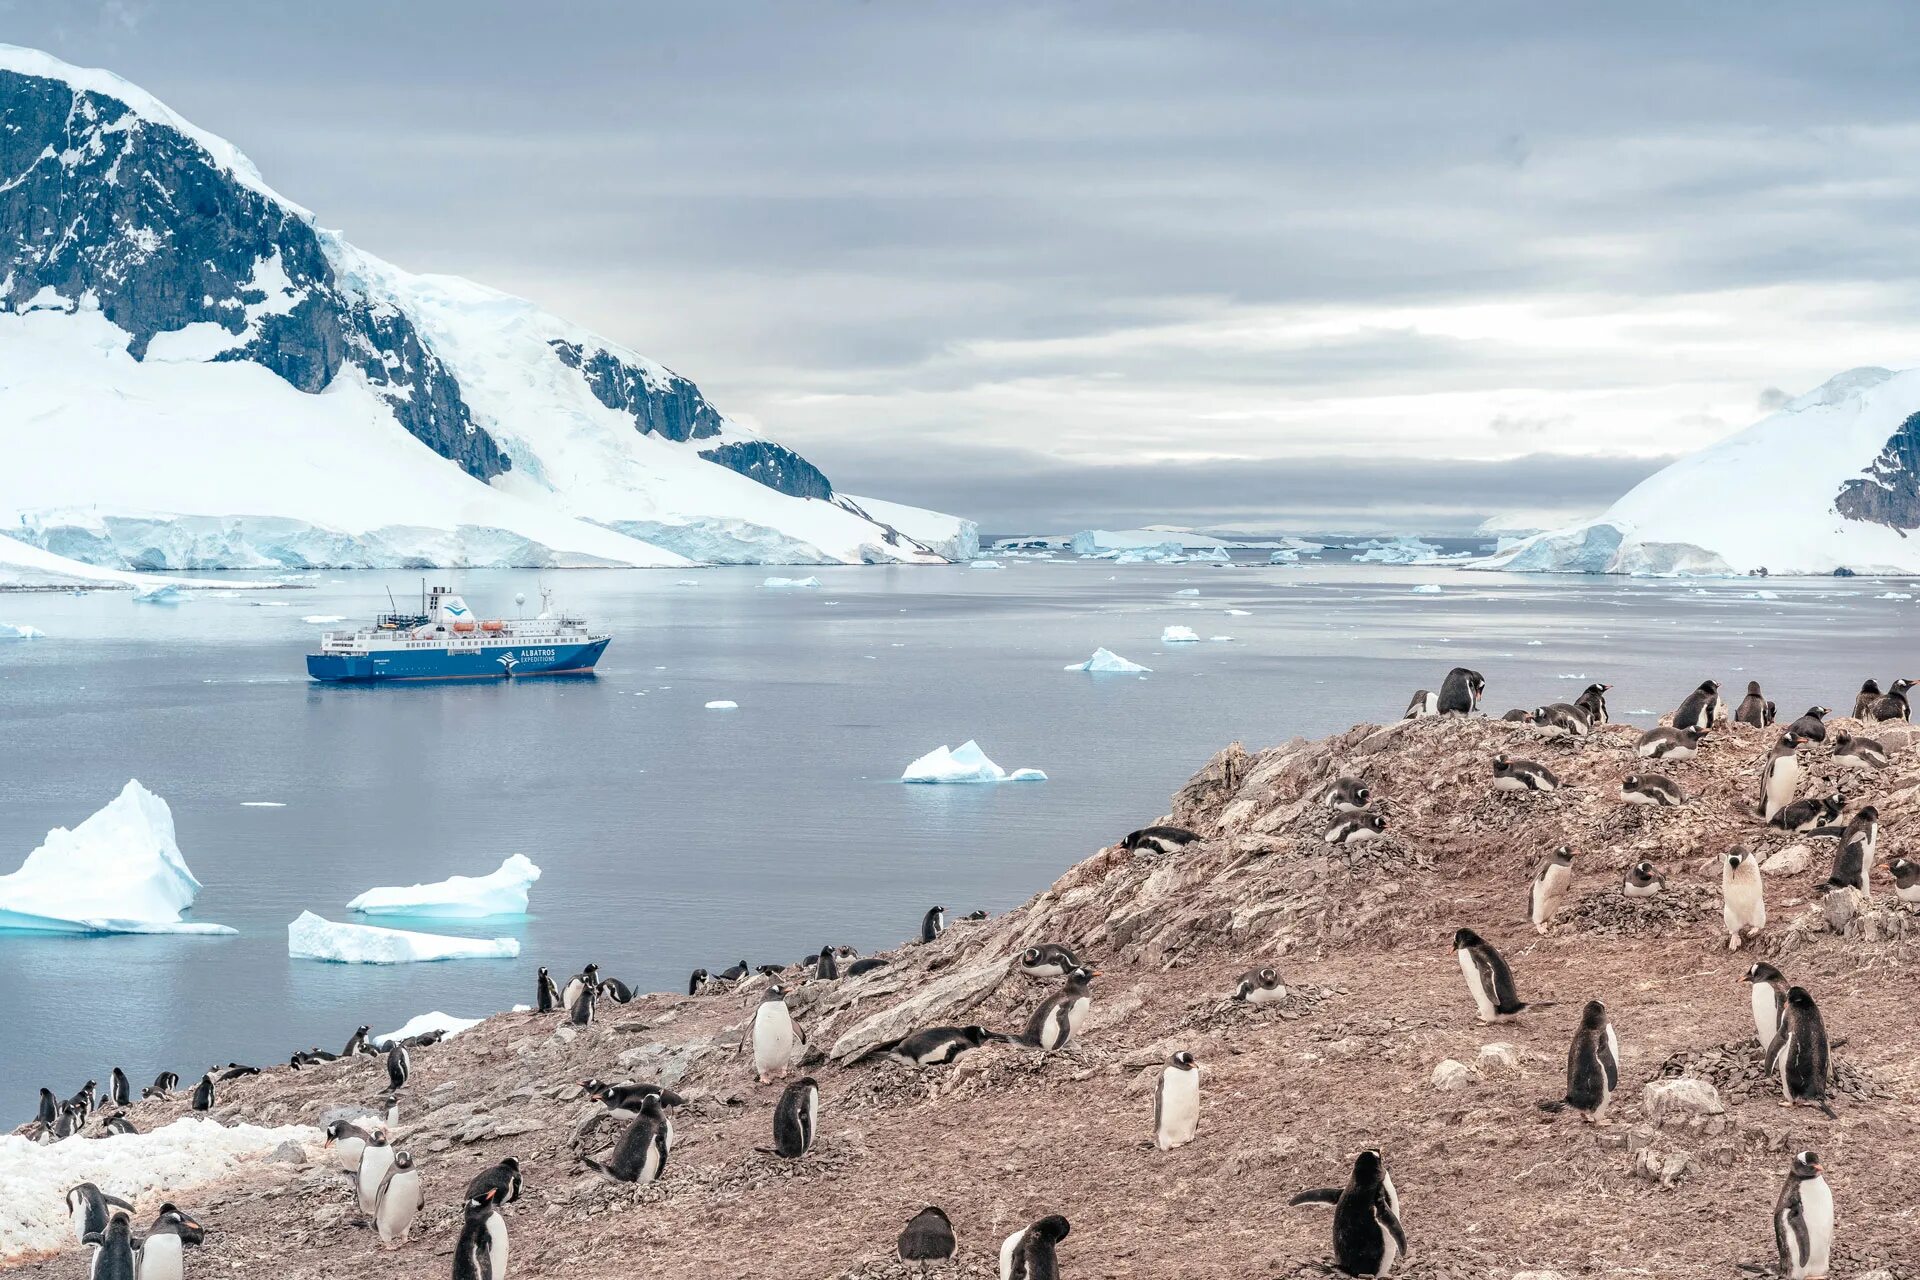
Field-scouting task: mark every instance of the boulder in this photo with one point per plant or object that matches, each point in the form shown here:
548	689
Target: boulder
937	1003
1450	1075
1790	861
1684	1096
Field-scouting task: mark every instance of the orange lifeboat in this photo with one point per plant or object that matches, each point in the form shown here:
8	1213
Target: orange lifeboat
463	626
493	625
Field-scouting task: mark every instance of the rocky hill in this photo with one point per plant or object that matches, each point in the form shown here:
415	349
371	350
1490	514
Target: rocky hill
1376	1046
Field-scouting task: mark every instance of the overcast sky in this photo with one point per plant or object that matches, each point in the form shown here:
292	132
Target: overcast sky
1050	265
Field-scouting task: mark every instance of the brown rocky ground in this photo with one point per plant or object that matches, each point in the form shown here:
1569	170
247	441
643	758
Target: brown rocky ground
1491	1187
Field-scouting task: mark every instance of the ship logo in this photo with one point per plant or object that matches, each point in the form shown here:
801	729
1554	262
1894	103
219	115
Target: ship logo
455	609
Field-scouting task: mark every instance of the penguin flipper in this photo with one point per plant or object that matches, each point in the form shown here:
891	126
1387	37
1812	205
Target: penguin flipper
1391	1221
1319	1195
116	1200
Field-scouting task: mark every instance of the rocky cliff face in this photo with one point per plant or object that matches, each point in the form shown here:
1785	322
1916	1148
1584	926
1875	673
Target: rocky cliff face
1889	493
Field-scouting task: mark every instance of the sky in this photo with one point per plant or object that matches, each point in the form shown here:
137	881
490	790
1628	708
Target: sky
1051	265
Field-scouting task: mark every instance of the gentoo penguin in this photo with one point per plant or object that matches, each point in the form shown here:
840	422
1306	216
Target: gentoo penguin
795	1117
1518	715
1593	701
375	1159
1260	986
698	982
1743	898
1176	1103
1856	852
1906	880
163	1084
1768	996
588	979
235	1070
927	1237
482	1231
1425	702
1028	1254
71	1120
1348	795
118	1123
868	965
615	990
398	1201
1780	775
113	1257
1060	1014
1754	709
773	1035
1863	701
203	1093
1593	1066
1048	960
1565	717
735	973
84	1099
172	1218
583	1004
826	964
1549	887
628	1097
162	1255
49	1106
119	1092
937	1046
1356	828
1851	751
977	914
1651	790
1159	839
1893	704
1642	881
1803	1220
1809	814
1798	1054
1367	1236
1522	775
500	1184
547	997
1460	692
357	1042
1699	709
1489	981
641	1155
1813	725
1670	744
399	1064
933	924
346	1141
88	1208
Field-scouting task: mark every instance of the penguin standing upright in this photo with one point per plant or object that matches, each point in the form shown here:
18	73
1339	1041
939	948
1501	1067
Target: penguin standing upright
1176	1103
585	1002
346	1141
203	1093
795	1118
1593	701
1701	708
1030	1253
1780	775
1549	887
1863	701
773	1034
1367	1236
162	1254
1768	998
399	1064
1059	1016
1856	853
357	1042
49	1107
1754	709
697	983
1460	692
826	965
88	1209
641	1154
927	1237
1800	1053
1813	725
1489	981
113	1257
375	1159
398	1201
547	998
473	1252
588	979
119	1092
1593	1066
1893	704
933	924
1803	1220
1743	898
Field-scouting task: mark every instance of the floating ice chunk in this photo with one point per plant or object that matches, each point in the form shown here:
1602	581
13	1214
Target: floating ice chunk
165	593
789	584
1188	591
1179	635
1106	660
1536	642
1775	595
687	582
263	804
986	564
20	631
723	705
120	871
1239	613
502	893
311	938
1884	595
446	1023
966	763
1220	639
1427	589
322	619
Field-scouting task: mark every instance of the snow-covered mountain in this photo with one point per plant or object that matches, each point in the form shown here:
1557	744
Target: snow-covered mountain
1831	481
193	374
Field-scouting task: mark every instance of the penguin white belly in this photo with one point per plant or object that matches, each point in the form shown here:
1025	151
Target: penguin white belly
813	1115
1008	1248
572	992
374	1163
1508	782
1782	782
772	1039
348	1152
649	1165
1267	995
1744	910
1816	1203
497	1249
1077	1014
1548	890
1766	1016
1179	1108
1389	1251
1482	998
1640	890
160	1258
393	1216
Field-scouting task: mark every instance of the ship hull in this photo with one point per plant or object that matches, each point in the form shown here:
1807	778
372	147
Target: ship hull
476	662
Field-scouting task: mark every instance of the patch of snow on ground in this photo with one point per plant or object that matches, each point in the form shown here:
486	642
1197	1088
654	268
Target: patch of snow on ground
435	1021
1179	635
312	938
501	893
1106	660
966	763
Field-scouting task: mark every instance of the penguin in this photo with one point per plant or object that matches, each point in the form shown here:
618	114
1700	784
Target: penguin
113	1257
1851	751
1754	710
1522	775
1059	1016
1593	1066
1549	888
1863	701
937	1046
933	924
398	1201
585	1001
375	1159
615	990
346	1141
203	1093
1650	790
1367	1236
1260	986
979	914
1048	960
1029	1253
1176	1103
1743	898
1810	814
1518	715
827	964
84	1099
1799	1053
357	1042
1906	880
399	1064
88	1208
588	979
1356	828
1768	997
1425	703
498	1185
1642	881
795	1118
1699	709
1565	717
1489	981
1348	795
773	1035
161	1254
1593	701
697	984
927	1237
49	1107
1460	692
1780	775
71	1120
1803	1220
481	1231
172	1218
628	1097
1893	704
119	1092
118	1123
1856	853
735	973
641	1154
1670	744
235	1071
163	1084
547	993
1159	839
868	965
1813	725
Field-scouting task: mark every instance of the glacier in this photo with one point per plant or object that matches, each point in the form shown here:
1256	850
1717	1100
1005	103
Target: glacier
1106	660
120	871
312	938
966	763
502	892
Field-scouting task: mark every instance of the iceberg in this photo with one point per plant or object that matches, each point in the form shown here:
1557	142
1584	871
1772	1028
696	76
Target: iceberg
1106	660
322	619
445	1023
120	871
1427	589
722	704
1179	635
1188	591
166	593
967	763
1402	550
503	893
986	564
1239	613
312	938
789	584
20	631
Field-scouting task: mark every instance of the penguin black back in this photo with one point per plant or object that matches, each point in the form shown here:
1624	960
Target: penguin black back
927	1237
1367	1235
794	1118
1036	1258
548	997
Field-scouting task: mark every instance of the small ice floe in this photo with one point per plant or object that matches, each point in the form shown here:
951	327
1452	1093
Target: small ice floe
722	704
1536	642
986	564
312	938
687	582
1239	613
1188	591
1220	639
445	1023
263	804
1894	595
1773	595
1106	660
1427	589
965	763
500	893
1179	635
20	631
165	593
322	619
790	584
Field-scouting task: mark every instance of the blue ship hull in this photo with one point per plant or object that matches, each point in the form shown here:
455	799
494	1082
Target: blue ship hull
489	662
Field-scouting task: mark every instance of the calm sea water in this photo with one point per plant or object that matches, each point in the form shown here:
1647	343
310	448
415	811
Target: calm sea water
672	836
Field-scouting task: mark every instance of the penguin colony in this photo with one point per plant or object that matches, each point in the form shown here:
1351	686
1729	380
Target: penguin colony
1369	1235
